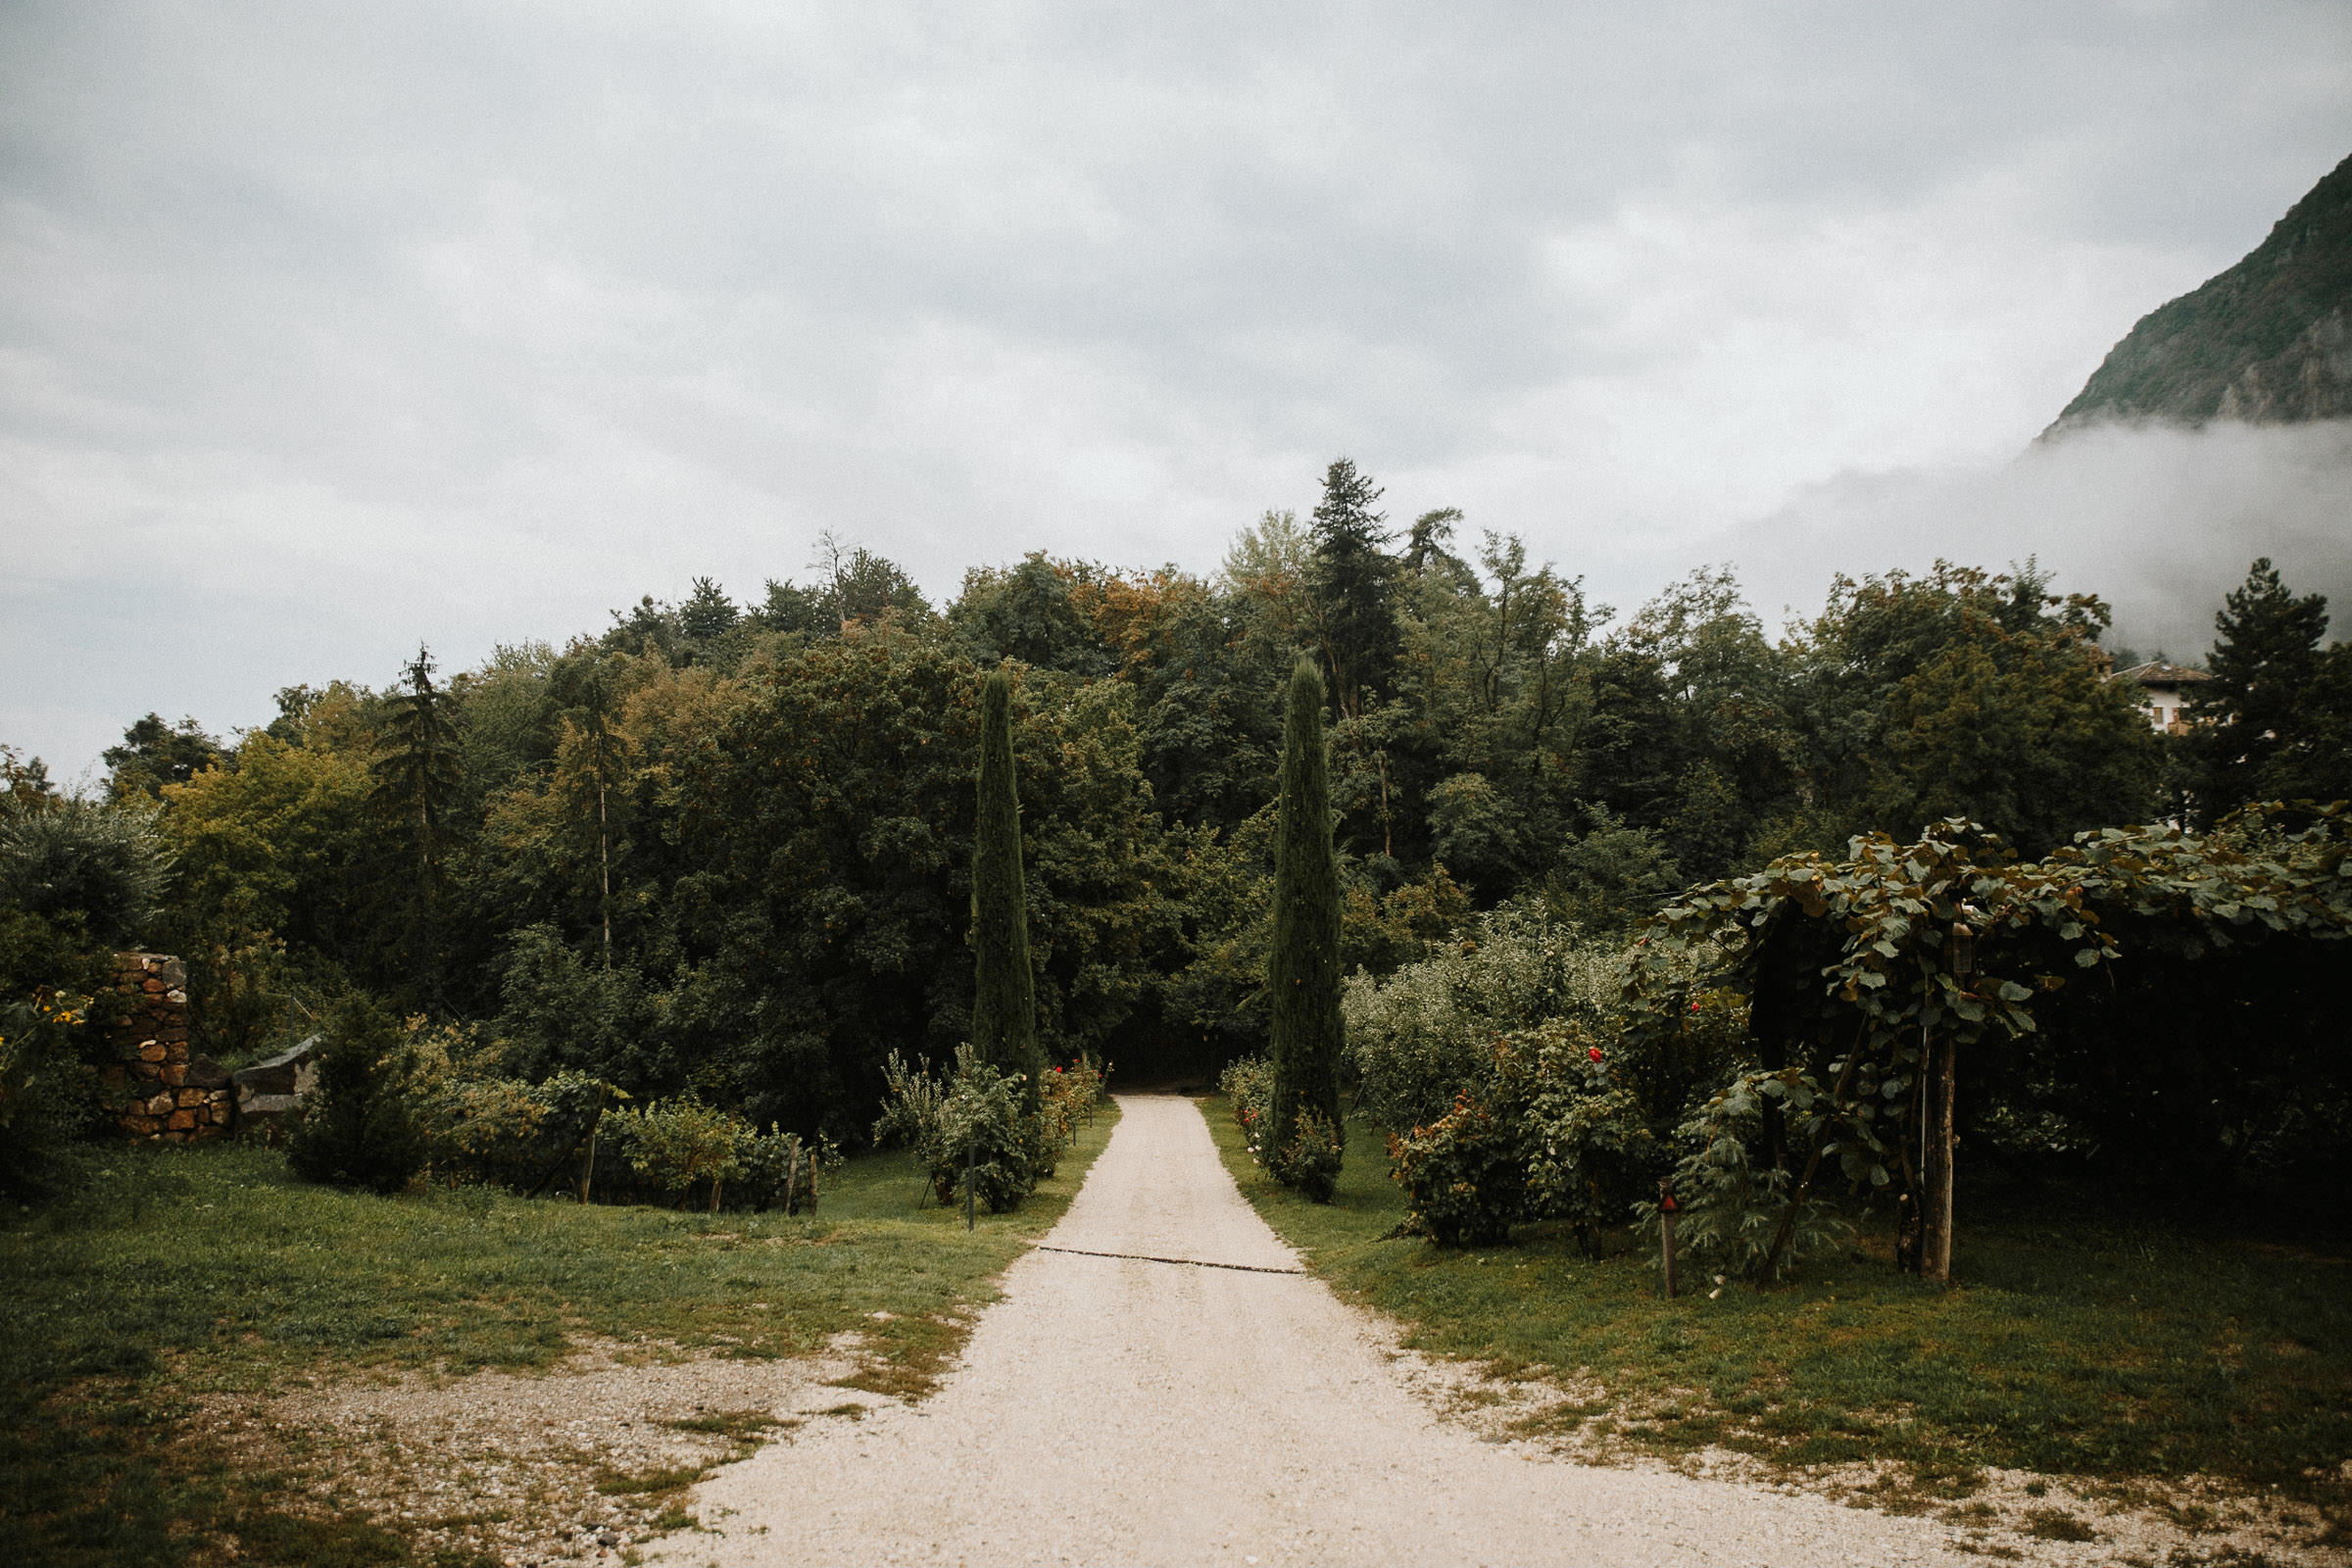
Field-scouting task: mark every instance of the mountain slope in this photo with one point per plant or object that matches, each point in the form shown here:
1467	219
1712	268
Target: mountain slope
2269	341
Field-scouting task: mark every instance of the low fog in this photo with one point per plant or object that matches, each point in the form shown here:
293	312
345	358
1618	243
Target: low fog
2158	520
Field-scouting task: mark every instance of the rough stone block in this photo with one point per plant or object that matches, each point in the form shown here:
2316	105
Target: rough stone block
161	1104
180	1120
218	1114
152	1051
192	1097
173	1073
145	1069
152	986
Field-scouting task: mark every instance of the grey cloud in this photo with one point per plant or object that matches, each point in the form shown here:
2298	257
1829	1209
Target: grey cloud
472	321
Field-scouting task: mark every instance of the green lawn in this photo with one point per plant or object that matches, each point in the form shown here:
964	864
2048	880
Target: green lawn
175	1272
2075	1342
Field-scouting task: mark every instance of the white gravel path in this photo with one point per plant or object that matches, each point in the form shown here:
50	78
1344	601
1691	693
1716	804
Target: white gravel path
1119	1411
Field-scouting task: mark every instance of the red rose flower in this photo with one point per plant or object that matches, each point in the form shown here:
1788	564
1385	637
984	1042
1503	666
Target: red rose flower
1596	1053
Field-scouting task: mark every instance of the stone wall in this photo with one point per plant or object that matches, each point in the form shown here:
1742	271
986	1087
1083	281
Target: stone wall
154	1091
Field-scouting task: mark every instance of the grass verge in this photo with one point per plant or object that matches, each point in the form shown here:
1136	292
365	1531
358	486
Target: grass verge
168	1275
2075	1342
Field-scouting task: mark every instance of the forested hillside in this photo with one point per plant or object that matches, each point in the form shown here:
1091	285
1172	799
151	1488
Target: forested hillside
2267	341
723	847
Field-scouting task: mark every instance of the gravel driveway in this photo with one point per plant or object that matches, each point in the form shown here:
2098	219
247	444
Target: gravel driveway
1114	1410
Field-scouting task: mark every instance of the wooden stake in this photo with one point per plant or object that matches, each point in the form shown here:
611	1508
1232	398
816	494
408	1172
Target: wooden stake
1935	1212
1666	1219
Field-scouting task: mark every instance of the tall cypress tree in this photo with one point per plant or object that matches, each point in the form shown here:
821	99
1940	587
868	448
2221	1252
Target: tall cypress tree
1303	971
1005	994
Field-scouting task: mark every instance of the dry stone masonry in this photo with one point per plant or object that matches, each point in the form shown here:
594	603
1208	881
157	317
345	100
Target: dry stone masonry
157	1091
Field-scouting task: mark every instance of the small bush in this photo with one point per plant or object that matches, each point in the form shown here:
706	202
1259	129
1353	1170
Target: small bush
1591	1149
1731	1208
775	1169
676	1145
1068	1096
1309	1160
523	1136
1466	1172
1247	1085
358	1125
46	1092
971	1125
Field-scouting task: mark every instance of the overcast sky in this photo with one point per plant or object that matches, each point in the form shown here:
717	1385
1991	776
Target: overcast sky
325	329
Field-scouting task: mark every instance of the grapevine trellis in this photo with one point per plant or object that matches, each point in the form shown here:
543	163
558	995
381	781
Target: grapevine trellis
1851	972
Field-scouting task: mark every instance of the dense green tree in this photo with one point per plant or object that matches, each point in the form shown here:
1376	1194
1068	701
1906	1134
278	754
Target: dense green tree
25	785
1004	988
100	869
1965	694
1028	614
1304	1032
154	754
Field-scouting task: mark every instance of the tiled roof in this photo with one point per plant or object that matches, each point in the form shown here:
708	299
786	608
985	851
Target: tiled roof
2156	672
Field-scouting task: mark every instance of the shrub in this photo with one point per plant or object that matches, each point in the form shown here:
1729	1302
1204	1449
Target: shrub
1466	1172
1247	1085
46	1092
1309	1160
519	1135
1418	1038
675	1143
1730	1204
1591	1150
775	1170
358	1125
1551	1126
971	1122
1069	1096
103	866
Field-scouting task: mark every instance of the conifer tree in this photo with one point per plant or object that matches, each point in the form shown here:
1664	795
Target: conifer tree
2265	699
1303	970
1353	581
1005	992
414	790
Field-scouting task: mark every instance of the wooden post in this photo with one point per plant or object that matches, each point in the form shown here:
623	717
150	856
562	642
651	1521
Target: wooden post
812	1169
1941	1137
1666	1218
792	1172
1935	1217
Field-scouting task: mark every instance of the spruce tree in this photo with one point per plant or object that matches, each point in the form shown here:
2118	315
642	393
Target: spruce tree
2260	706
1303	971
1005	994
1353	581
414	789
